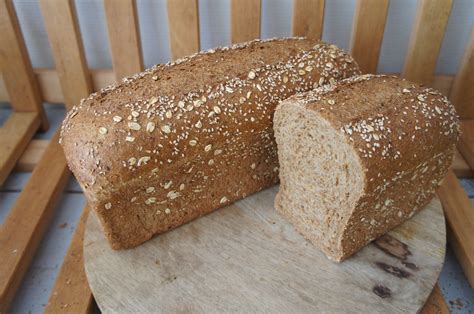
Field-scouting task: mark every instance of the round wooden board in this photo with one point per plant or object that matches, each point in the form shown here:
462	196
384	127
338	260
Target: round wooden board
246	258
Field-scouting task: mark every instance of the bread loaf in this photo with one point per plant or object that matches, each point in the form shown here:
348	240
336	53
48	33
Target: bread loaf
183	139
360	157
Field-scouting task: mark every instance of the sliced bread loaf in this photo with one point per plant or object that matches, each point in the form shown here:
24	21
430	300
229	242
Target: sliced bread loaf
182	139
360	157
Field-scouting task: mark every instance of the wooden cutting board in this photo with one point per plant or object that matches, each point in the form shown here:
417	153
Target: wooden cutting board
246	258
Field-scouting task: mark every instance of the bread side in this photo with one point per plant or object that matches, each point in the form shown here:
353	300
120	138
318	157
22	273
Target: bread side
180	140
383	144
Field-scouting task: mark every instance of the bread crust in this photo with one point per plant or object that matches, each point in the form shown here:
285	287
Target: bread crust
404	135
180	140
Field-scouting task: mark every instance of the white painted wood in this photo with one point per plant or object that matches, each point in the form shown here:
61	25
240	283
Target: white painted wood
246	258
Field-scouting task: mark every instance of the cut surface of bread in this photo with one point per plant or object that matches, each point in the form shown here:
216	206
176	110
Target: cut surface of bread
360	157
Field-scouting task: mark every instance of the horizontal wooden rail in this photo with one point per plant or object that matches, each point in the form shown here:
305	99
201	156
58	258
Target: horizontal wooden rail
459	213
15	135
51	88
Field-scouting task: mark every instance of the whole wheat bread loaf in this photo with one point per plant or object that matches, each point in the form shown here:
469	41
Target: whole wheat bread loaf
360	157
183	139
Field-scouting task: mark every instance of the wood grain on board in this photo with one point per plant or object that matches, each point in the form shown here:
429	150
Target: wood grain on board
462	93
183	24
459	212
15	66
124	37
245	16
246	257
71	291
367	33
425	40
27	220
308	18
15	134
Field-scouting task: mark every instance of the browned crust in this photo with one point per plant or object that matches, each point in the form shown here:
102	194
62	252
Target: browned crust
211	141
404	134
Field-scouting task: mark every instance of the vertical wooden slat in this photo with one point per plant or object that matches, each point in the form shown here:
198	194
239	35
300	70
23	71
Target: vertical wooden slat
367	33
15	135
71	291
425	40
466	141
28	219
183	23
124	37
68	52
308	18
15	65
462	92
459	212
245	20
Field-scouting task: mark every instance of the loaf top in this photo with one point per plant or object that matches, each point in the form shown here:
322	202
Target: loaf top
385	117
170	113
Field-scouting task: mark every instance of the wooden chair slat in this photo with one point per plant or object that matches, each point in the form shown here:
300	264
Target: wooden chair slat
466	142
15	135
308	18
15	65
367	33
183	23
71	290
462	93
31	155
245	18
460	167
124	37
68	52
435	303
459	212
28	219
426	39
